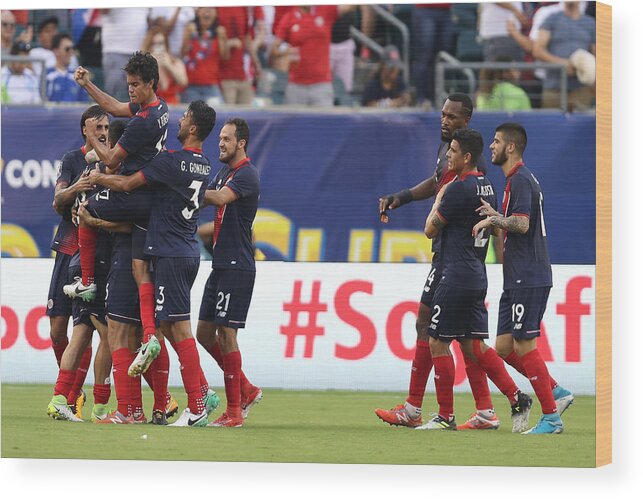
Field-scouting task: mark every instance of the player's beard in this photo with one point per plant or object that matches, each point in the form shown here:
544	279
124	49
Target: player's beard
500	158
225	157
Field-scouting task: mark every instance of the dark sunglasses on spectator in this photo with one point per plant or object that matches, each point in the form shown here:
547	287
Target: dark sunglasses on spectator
8	25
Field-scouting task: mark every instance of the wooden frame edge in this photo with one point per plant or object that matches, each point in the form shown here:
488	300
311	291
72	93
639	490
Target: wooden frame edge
603	234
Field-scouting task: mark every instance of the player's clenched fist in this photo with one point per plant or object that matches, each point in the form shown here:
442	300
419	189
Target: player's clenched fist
81	75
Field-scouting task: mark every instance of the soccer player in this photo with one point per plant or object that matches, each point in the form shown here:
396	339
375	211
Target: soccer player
144	138
228	291
457	308
456	114
65	244
527	273
178	180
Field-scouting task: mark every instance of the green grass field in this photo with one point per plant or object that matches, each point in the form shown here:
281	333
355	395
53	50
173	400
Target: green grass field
297	427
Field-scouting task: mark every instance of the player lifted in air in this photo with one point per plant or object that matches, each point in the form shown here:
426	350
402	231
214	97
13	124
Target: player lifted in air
527	273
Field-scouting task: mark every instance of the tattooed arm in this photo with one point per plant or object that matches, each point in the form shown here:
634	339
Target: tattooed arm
513	223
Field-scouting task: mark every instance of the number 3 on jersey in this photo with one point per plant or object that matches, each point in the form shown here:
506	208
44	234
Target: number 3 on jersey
194	200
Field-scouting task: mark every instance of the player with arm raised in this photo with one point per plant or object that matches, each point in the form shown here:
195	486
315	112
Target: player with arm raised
527	273
178	180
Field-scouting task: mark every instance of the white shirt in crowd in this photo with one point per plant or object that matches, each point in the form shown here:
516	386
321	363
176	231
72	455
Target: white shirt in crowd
124	30
493	20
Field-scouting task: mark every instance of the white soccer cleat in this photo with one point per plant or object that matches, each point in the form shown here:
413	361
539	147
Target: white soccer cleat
58	409
188	419
78	290
147	352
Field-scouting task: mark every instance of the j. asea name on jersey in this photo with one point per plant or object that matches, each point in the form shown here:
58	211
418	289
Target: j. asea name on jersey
199	168
485	190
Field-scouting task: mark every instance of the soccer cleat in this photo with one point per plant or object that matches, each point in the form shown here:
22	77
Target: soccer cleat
171	407
116	417
78	405
139	418
159	418
548	423
254	398
563	398
147	352
520	413
479	422
438	423
78	290
211	401
188	419
58	409
226	421
99	412
398	416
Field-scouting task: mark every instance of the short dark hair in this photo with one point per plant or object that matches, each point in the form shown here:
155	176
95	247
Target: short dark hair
203	116
470	142
94	111
465	100
116	129
55	43
143	65
46	22
242	131
515	133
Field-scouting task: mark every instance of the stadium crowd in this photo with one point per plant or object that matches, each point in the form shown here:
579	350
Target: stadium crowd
306	55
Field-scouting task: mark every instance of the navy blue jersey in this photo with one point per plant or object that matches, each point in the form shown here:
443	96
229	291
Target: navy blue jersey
444	176
179	180
144	136
233	246
66	238
121	251
463	255
526	263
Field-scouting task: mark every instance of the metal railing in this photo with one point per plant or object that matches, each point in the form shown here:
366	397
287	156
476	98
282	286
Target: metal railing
43	70
446	62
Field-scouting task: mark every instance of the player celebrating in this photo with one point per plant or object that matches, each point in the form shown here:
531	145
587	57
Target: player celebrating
456	114
228	291
457	309
527	273
178	179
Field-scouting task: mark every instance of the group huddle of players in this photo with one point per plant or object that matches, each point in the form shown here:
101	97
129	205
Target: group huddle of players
128	255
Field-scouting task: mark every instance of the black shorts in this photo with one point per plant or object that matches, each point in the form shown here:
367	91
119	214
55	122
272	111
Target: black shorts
227	296
58	303
121	296
458	313
521	310
81	310
173	280
115	206
432	281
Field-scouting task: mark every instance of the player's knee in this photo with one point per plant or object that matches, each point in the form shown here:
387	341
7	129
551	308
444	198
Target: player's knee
422	330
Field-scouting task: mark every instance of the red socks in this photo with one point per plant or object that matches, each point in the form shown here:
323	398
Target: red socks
81	374
514	361
191	373
495	368
59	349
64	382
444	377
246	386
102	393
232	379
478	383
538	376
121	359
147	306
87	245
136	396
420	370
160	373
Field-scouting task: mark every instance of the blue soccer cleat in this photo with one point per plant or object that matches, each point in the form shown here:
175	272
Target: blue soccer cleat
563	399
549	423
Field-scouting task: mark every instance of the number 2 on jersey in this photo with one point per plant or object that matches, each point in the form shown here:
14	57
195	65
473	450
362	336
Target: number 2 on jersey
187	211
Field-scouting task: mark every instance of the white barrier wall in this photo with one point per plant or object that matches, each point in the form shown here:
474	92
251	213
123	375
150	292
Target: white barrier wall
319	326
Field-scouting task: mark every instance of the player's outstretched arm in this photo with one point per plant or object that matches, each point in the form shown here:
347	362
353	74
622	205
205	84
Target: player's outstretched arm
424	190
99	223
103	99
513	223
118	183
219	198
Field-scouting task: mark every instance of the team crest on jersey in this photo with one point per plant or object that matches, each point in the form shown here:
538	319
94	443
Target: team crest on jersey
50	304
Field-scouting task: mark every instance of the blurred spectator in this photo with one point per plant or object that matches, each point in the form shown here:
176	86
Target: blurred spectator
47	29
342	49
172	74
496	39
387	87
304	33
173	20
499	91
21	84
122	34
235	85
61	86
560	36
87	36
8	30
204	45
431	32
